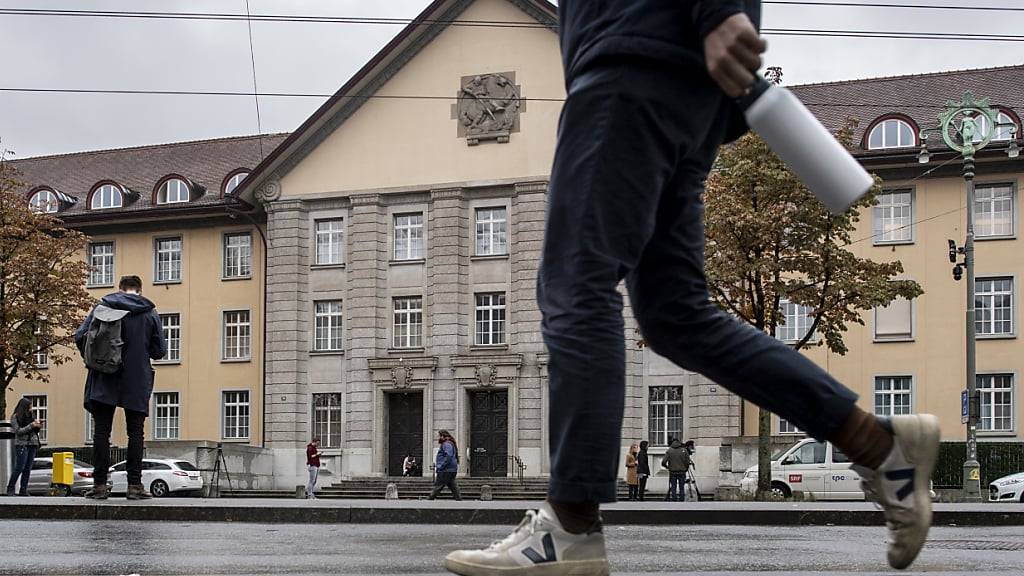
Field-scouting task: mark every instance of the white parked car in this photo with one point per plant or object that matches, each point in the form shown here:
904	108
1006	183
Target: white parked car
811	467
1007	489
160	477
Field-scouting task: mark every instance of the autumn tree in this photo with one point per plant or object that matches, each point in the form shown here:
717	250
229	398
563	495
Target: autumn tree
42	286
770	240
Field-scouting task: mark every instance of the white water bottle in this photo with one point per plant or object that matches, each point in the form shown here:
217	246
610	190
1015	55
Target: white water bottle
805	146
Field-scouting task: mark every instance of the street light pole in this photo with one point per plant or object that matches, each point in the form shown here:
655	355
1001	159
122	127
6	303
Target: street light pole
966	126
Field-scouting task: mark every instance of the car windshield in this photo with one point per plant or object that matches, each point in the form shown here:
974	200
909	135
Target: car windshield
80	464
187	466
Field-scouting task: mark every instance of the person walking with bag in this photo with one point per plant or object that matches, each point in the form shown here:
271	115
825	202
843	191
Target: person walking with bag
643	469
632	479
446	466
651	95
118	339
26	443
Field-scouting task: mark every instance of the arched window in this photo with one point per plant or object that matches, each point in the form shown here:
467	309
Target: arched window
107	196
233	182
891	133
174	191
1004	131
44	201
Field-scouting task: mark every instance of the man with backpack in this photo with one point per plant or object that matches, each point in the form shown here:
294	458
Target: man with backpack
117	340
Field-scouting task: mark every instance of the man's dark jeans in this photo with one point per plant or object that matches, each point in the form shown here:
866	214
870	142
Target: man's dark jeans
446	479
136	424
676	486
23	458
635	143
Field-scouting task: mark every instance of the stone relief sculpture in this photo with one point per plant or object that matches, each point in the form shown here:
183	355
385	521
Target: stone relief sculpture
488	108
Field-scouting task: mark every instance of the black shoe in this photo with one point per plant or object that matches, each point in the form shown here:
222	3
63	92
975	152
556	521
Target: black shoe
98	493
22	493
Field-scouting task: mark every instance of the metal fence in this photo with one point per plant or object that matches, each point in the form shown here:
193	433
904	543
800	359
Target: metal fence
86	453
997	459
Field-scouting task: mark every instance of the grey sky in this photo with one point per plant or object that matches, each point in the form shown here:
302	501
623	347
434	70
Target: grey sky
51	52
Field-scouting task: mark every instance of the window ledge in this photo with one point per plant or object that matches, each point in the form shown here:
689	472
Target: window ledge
98	286
235	440
904	339
487	347
165	282
485	257
995	336
326	352
166	362
893	243
419	350
1008	434
327	266
407	262
235	360
994	238
235	278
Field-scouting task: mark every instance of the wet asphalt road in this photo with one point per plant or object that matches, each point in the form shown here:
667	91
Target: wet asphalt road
47	548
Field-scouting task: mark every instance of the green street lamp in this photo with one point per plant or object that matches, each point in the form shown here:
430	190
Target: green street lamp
967	126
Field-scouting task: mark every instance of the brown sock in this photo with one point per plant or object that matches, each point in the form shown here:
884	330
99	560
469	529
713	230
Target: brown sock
578	517
863	439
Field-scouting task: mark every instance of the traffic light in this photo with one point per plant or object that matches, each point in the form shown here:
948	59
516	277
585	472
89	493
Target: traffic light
958	272
952	251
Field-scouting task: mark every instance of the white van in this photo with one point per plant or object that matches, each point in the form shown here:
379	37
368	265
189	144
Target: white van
811	467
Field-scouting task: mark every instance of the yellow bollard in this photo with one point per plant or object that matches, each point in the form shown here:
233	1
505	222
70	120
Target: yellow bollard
63	473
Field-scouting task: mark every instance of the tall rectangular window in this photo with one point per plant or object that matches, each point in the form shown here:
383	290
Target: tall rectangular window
330	240
238	255
797	322
237	335
408	326
996	391
993	306
409	236
172	334
167	420
327	326
665	414
893	217
327	419
787	427
168	259
893	395
42	355
993	210
490	319
895	321
491	231
101	264
40	412
90	427
236	415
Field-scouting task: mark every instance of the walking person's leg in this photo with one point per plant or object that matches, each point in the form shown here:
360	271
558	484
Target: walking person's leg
439	483
136	424
642	488
103	414
453	485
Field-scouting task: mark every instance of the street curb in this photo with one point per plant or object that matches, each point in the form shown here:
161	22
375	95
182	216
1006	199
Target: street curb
299	514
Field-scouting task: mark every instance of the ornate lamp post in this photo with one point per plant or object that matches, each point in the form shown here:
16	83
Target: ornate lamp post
967	126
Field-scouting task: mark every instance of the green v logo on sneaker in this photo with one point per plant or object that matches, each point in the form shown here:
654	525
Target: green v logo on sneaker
549	551
906	474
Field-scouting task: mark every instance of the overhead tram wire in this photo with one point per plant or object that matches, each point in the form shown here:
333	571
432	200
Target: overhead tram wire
904	6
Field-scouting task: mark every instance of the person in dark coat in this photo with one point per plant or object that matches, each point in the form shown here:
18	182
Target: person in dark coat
643	469
677	462
446	466
129	388
26	442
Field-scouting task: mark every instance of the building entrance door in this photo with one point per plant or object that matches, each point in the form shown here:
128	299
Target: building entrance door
405	430
488	435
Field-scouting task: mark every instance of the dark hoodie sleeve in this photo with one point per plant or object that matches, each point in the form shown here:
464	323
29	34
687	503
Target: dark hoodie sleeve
81	332
157	344
708	14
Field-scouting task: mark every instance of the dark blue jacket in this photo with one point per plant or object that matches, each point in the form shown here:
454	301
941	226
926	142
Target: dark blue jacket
142	332
667	31
446	460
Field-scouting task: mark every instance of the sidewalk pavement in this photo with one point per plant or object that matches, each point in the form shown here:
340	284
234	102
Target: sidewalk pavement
331	511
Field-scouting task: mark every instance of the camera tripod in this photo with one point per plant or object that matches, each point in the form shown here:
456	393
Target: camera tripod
219	465
690	483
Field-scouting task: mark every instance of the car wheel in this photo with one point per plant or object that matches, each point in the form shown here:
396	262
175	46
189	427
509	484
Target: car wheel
159	489
780	490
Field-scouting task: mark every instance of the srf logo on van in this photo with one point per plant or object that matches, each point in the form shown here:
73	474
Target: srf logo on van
796	478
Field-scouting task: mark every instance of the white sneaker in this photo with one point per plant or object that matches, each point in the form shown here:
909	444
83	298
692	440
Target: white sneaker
901	485
538	547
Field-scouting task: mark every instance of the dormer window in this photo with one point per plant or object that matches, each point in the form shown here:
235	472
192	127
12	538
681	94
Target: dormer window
891	133
233	181
107	196
1004	130
174	191
44	202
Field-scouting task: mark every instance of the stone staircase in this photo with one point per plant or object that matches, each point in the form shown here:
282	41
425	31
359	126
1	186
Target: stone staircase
530	488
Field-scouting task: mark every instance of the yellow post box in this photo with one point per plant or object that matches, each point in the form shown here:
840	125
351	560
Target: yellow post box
63	468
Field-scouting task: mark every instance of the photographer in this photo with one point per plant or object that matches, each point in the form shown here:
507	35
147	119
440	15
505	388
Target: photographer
677	461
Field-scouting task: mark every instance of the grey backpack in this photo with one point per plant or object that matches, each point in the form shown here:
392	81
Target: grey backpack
103	343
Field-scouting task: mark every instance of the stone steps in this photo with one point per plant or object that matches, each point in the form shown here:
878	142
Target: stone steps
419	488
